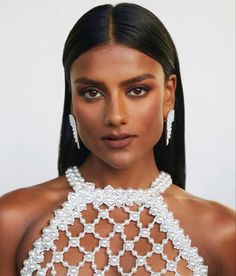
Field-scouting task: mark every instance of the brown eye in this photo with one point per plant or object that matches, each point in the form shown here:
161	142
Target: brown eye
138	91
91	94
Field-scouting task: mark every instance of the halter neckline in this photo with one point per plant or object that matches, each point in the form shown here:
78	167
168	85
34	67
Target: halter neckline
160	183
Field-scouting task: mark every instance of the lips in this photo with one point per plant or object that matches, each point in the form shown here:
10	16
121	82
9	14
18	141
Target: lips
117	141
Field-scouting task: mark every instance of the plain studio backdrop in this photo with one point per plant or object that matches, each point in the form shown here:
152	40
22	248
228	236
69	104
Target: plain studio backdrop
32	35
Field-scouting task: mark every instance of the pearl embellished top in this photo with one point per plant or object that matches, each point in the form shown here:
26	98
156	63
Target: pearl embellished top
111	231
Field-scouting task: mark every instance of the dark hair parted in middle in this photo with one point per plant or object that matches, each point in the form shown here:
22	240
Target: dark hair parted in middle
138	28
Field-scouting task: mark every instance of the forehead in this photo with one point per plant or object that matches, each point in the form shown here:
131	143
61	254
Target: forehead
114	59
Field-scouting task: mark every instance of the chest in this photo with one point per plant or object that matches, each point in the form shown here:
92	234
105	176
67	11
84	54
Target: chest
132	240
113	232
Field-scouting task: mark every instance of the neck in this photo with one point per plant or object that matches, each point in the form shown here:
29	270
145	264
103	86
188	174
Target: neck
138	176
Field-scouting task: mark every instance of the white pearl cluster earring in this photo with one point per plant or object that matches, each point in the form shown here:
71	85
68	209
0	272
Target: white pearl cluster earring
74	129
169	121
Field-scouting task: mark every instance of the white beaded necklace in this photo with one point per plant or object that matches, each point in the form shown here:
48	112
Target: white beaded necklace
85	193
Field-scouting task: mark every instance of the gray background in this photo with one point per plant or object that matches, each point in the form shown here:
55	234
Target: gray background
32	34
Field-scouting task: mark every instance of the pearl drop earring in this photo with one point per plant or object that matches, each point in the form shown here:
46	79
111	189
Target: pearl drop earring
74	129
169	121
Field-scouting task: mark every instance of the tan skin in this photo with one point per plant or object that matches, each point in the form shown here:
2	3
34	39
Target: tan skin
113	104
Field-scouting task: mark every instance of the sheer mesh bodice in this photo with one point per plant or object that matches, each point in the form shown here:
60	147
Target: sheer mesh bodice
113	232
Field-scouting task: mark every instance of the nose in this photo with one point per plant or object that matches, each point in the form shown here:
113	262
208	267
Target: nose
116	112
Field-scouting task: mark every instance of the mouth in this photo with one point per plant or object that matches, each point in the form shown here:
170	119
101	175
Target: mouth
118	141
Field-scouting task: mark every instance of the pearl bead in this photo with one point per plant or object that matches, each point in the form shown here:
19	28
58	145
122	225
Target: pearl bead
103	242
114	260
144	232
157	248
134	216
89	228
57	257
39	258
128	246
48	265
118	228
73	242
140	261
88	257
171	266
41	272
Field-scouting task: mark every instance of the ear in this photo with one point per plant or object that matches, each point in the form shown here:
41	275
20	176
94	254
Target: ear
169	96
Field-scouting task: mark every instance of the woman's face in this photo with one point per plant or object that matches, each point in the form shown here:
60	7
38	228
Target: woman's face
120	99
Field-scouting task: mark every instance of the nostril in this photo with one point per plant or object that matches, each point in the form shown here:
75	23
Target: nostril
116	113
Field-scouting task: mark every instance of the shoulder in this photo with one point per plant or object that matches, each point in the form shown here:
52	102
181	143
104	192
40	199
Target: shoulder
220	227
18	209
207	210
218	218
27	201
22	200
213	225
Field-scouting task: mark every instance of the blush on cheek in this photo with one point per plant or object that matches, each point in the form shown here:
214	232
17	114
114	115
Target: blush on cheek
88	129
152	120
152	113
155	131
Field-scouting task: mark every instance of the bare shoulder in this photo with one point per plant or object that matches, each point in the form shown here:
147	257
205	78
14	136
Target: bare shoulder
25	201
217	217
18	209
213	225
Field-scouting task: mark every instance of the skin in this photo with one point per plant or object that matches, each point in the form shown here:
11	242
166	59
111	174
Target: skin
118	107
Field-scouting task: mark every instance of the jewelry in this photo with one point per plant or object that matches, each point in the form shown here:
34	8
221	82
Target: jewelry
169	121
105	201
74	129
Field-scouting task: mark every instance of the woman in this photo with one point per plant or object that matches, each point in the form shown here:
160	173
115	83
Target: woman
123	124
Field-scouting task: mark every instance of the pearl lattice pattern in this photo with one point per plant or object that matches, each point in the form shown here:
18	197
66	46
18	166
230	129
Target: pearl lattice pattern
138	249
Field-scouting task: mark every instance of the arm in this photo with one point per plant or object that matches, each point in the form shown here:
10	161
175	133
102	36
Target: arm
12	227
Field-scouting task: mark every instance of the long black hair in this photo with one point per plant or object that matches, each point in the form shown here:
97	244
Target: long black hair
138	28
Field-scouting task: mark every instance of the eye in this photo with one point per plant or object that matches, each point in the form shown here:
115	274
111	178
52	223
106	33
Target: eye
91	93
138	91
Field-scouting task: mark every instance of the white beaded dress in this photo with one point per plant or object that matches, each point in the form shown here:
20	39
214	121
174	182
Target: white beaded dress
117	240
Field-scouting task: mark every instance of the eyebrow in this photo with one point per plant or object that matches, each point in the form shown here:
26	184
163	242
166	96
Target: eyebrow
139	78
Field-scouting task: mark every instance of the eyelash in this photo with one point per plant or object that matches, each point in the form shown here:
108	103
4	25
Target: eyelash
144	89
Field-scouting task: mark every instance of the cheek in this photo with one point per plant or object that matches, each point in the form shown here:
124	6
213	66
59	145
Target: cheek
150	117
88	120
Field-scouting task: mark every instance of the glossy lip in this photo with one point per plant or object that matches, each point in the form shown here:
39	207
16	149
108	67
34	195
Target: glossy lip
118	141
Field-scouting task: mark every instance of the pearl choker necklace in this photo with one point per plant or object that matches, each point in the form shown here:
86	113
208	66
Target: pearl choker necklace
77	182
